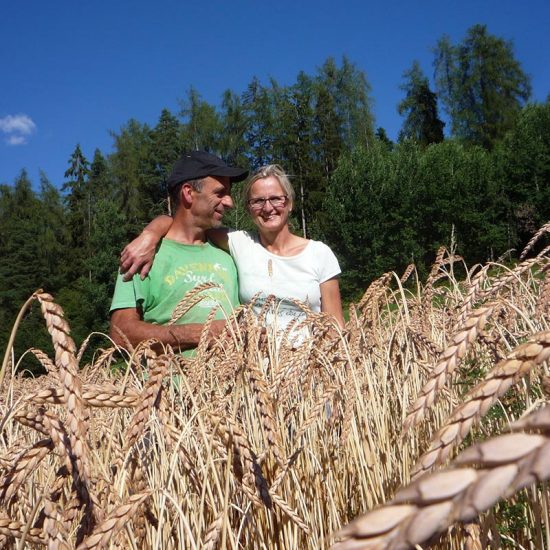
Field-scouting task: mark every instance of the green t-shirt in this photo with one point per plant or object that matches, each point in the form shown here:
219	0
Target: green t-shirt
177	269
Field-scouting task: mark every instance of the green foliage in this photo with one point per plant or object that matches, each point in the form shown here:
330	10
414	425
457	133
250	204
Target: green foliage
422	123
523	164
371	208
202	124
379	205
481	85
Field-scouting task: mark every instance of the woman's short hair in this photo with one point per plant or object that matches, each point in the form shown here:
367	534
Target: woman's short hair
267	171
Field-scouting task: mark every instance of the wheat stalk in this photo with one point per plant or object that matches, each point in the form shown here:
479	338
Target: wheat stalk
12	528
544	229
447	363
481	398
118	518
514	274
503	466
191	299
65	359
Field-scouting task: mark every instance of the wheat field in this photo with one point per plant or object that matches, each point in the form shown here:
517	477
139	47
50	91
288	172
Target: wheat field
424	423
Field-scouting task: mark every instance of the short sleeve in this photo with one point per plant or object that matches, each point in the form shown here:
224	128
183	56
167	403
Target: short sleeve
126	295
328	263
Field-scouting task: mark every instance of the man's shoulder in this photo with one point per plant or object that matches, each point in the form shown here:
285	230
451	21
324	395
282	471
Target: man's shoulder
125	295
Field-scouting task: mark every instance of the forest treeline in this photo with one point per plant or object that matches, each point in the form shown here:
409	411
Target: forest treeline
481	182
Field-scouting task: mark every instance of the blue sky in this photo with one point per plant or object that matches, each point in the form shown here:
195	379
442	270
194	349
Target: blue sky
72	72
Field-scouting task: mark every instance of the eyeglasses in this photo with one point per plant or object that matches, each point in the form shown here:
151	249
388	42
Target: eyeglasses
277	201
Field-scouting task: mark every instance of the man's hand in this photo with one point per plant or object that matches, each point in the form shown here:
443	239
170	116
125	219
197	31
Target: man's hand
137	257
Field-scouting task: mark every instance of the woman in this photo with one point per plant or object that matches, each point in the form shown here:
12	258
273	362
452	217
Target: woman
272	262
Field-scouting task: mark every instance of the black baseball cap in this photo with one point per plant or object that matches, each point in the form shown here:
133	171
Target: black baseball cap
200	164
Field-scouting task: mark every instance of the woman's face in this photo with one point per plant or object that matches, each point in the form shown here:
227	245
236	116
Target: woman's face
268	215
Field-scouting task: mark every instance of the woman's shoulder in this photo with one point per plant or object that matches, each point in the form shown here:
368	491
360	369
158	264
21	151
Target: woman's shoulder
240	240
242	235
319	247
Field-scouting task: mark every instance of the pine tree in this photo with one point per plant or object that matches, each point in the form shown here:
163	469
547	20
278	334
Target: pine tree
422	123
78	199
232	145
133	171
201	123
259	134
481	84
167	147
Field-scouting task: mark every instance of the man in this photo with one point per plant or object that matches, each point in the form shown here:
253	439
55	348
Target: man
199	188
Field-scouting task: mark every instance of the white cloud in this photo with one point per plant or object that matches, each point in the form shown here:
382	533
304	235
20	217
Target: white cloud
16	140
17	128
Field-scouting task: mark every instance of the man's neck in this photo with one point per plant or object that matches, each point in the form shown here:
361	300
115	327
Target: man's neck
182	231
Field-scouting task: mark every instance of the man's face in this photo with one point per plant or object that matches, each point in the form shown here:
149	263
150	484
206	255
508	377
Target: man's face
210	204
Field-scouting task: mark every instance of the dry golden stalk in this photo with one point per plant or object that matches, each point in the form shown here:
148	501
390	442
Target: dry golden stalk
23	467
544	229
426	303
318	408
425	341
149	398
32	419
55	539
546	385
103	361
11	528
173	441
72	392
59	436
483	474
354	328
349	406
110	527
264	401
245	464
279	478
83	347
125	339
374	290
512	276
447	363
481	398
191	299
289	512
543	301
213	533
93	395
198	363
7	355
44	360
472	532
473	291
407	273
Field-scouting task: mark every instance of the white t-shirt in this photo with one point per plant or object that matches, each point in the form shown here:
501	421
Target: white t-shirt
286	277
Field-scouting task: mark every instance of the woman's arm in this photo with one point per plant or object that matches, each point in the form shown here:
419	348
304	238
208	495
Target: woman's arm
138	255
330	300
